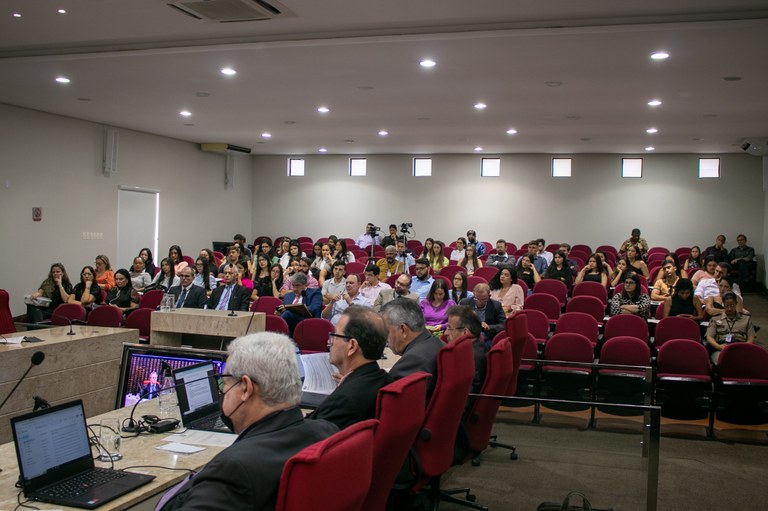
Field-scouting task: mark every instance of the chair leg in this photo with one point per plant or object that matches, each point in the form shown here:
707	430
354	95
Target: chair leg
495	443
448	496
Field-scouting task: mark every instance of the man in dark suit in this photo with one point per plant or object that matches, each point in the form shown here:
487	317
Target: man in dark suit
462	321
150	390
489	311
356	346
311	298
187	295
409	338
269	424
231	296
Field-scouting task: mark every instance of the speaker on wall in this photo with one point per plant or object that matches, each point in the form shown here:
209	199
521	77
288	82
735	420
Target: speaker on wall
109	162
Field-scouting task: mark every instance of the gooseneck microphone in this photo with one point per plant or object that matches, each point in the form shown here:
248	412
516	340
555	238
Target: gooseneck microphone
37	358
69	322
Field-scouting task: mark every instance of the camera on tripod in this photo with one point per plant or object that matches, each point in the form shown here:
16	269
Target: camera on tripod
405	226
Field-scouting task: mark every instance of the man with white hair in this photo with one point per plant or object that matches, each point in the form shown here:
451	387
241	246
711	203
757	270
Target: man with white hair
260	394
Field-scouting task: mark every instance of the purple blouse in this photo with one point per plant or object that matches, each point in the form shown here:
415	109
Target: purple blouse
436	317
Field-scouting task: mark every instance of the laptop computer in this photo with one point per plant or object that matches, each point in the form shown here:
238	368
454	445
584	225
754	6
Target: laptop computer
56	463
198	395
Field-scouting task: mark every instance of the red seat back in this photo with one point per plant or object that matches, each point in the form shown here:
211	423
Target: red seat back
626	350
589	305
545	303
626	324
266	304
151	299
570	347
683	357
311	335
744	361
106	316
675	327
580	323
71	311
140	319
553	287
6	318
594	289
274	323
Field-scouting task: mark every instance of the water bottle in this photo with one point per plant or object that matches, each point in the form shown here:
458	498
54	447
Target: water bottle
167	398
165	303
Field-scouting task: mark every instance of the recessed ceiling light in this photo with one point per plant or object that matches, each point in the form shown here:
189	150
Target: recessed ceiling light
322	150
62	11
427	63
651	131
323	109
732	78
654	102
660	55
511	131
383	133
650	148
185	113
189	124
266	135
17	15
553	83
228	71
480	106
202	94
62	79
477	149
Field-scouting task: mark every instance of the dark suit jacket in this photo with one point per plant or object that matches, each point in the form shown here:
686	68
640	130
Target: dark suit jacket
355	399
312	299
196	297
494	317
238	300
246	475
419	355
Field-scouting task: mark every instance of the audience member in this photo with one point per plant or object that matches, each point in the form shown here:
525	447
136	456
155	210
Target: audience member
149	264
368	238
505	290
409	338
242	278
312	299
694	261
620	272
342	254
233	257
304	264
266	249
460	290
426	249
139	277
188	295
229	296
86	292
390	264
123	296
56	288
351	296
470	262
472	240
718	250
709	284
730	326
634	258
539	263
437	260
404	256
665	284
294	250
355	348
391	239
177	258
635	240
565	248
239	239
683	302
457	254
707	272
259	400
741	258
489	311
262	278
402	290
166	278
334	287
435	306
559	269
526	271
462	321
713	304
423	281
542	244
206	255
500	257
105	277
323	263
372	286
203	276
671	258
631	300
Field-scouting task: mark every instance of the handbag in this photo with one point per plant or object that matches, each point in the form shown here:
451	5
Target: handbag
566	505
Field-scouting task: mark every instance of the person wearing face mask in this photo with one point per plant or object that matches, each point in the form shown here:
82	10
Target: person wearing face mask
260	395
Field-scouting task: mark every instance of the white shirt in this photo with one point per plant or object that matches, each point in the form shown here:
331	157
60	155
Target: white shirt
372	292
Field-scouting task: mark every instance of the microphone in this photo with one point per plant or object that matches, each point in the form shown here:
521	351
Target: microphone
249	323
37	358
133	426
69	322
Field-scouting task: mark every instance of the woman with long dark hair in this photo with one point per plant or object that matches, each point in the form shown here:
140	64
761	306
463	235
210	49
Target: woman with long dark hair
123	296
54	291
203	277
631	300
149	263
470	260
435	306
459	290
505	289
683	302
593	271
177	258
559	269
166	278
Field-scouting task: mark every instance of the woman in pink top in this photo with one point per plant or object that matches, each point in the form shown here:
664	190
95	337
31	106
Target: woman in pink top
504	289
435	307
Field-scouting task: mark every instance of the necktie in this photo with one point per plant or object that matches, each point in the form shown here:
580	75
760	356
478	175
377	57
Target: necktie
171	493
182	297
224	299
296	300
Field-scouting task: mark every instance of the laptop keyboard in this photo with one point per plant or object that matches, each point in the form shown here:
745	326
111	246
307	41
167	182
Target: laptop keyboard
210	423
81	483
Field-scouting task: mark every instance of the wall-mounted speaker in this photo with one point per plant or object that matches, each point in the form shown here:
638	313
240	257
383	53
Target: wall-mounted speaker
109	162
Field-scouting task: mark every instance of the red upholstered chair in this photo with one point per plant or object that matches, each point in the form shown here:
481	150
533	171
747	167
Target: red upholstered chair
400	409
475	435
310	478
451	270
486	272
743	384
474	280
72	311
563	381
589	305
608	249
626	324
355	267
545	303
391	280
106	316
552	287
141	320
580	323
6	318
683	380
266	304
435	443
675	327
626	386
658	250
151	299
656	256
307	247
274	323
594	289
538	326
311	335
582	247
305	239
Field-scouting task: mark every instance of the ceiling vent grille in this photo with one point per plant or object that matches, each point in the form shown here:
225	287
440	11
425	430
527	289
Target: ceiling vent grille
226	11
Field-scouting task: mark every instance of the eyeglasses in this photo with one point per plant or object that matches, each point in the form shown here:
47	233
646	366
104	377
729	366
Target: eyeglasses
219	378
332	335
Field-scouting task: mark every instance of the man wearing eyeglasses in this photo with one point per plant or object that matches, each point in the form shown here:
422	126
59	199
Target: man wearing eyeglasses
355	347
260	396
231	295
187	295
462	321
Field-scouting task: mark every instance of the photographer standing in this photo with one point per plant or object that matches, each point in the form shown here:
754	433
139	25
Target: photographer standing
369	237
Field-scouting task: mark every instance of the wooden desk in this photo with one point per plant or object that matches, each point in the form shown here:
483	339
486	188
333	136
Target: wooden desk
168	327
135	450
85	365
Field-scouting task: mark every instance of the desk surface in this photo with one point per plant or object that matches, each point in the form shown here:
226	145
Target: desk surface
136	451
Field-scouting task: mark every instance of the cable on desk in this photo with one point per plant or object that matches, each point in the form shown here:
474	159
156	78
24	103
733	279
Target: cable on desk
23	504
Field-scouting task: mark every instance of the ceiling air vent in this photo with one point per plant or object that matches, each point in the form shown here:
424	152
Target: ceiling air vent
225	11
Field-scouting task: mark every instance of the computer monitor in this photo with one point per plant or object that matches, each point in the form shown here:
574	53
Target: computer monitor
140	360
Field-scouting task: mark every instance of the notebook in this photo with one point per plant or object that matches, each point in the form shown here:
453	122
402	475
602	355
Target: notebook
198	395
56	464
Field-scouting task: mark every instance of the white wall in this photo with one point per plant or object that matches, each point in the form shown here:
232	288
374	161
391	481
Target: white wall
670	204
55	162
